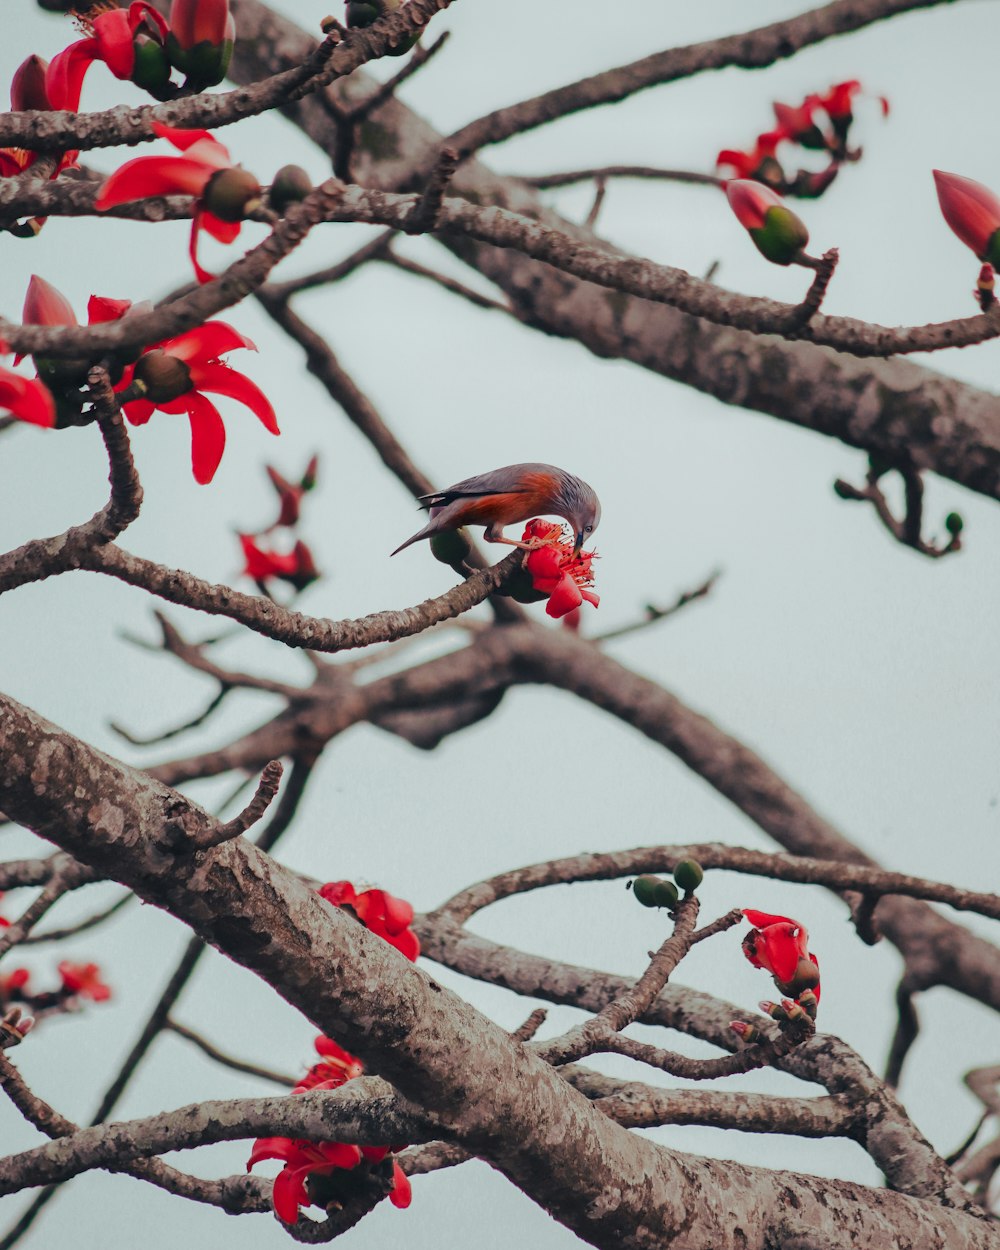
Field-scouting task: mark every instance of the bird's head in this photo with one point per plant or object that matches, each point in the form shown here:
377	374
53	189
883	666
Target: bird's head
581	507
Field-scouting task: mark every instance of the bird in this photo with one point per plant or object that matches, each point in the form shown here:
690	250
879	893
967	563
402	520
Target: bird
517	492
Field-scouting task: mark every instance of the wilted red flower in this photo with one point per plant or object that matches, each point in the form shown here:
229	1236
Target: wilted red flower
760	163
290	493
296	566
224	192
176	372
558	569
781	946
200	42
84	980
973	212
129	41
302	1159
336	1066
799	123
378	910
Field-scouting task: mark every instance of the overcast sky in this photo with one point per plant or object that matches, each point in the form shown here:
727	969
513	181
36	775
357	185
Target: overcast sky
864	673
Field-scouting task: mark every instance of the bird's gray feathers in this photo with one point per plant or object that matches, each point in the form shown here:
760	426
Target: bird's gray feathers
507	480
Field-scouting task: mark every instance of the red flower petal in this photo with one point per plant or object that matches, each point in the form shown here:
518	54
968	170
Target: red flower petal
289	1193
221	231
398	912
269	1148
65	75
143	9
200	273
781	950
27	399
207	342
113	33
564	598
212	152
138	411
761	919
971	209
208	436
153	175
219	379
100	308
401	1194
750	201
407	943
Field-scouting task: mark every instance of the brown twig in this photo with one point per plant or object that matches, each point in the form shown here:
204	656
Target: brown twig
267	788
654	614
228	1061
543	182
908	529
423	217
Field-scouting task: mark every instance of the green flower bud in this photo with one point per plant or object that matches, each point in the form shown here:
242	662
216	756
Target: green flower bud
644	889
665	894
954	524
291	184
163	377
151	70
203	65
232	193
689	875
782	236
451	547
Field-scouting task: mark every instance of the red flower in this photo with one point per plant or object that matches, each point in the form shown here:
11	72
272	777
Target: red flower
750	202
13	982
296	566
302	1159
129	42
175	374
973	212
28	90
224	192
335	1067
384	914
781	946
760	163
558	570
290	493
84	980
799	124
839	100
777	233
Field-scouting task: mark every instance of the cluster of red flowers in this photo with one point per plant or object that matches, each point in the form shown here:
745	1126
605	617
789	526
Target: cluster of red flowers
821	123
558	570
76	981
138	45
328	1174
297	566
172	376
780	946
384	914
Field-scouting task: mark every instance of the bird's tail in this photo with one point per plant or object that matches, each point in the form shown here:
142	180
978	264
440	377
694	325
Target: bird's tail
414	538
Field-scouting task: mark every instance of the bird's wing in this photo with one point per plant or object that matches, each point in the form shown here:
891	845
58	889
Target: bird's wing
513	479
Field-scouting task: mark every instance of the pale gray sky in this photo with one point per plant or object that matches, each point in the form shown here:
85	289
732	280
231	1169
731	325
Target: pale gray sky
867	675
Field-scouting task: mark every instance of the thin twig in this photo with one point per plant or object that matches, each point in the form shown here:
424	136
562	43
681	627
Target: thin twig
267	788
228	1061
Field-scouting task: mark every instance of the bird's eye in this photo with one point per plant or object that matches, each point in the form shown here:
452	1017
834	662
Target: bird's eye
587	529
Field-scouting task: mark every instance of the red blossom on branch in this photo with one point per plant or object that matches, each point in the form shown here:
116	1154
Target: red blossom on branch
224	193
26	399
378	910
290	493
13	983
177	373
973	212
759	163
128	41
83	980
780	945
29	90
558	569
336	1066
296	566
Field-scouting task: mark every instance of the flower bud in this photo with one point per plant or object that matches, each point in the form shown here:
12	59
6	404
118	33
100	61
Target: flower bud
151	70
231	194
27	87
665	894
305	571
309	477
163	377
748	1032
809	1003
777	233
644	889
452	547
973	213
201	39
291	184
954	524
689	875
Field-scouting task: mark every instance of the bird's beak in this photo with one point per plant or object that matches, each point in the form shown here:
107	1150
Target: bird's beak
578	545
